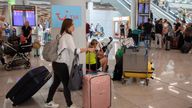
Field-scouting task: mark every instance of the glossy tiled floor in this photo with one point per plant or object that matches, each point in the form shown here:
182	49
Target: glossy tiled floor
171	88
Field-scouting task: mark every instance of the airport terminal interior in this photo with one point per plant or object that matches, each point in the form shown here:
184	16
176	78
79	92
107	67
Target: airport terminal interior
143	46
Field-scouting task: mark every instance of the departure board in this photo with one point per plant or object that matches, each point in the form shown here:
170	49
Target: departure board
18	18
22	13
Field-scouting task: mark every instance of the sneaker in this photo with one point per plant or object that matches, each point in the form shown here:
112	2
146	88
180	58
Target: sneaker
51	105
73	106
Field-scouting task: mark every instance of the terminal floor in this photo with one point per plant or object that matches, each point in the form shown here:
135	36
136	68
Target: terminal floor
171	88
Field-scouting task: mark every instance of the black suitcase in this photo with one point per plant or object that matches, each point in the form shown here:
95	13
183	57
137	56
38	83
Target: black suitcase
28	85
118	71
186	47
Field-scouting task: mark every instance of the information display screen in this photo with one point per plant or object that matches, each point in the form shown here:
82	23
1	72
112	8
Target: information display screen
146	8
22	13
18	18
146	19
30	16
141	8
140	20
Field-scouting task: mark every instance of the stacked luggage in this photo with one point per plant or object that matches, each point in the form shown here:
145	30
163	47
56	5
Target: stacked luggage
136	64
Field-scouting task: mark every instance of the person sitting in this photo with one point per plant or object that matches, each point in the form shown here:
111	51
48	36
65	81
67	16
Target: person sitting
97	59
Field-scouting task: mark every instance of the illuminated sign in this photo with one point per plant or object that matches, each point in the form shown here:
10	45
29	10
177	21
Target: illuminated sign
11	2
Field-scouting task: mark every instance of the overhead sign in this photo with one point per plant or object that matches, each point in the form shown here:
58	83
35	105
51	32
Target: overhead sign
11	2
60	13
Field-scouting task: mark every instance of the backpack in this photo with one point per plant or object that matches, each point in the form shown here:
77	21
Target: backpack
50	50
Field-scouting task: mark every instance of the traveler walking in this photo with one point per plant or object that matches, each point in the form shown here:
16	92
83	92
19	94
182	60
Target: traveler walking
66	48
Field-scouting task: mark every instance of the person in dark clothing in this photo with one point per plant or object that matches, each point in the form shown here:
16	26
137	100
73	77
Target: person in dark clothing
181	40
148	26
159	27
129	33
151	15
180	36
27	32
177	27
87	28
122	29
147	32
140	27
188	35
187	45
158	33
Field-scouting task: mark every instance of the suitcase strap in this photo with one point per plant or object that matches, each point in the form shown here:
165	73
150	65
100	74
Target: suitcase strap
48	76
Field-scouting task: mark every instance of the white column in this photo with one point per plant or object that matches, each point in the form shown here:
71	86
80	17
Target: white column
90	5
79	34
90	11
134	13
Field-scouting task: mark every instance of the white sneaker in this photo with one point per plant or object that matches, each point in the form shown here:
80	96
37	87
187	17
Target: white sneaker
73	106
51	105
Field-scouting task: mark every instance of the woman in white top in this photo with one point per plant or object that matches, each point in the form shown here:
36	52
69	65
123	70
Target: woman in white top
60	67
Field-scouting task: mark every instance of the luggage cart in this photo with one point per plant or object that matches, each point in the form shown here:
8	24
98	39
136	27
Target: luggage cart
136	65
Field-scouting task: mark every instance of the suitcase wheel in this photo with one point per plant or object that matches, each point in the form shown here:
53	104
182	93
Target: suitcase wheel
147	82
6	97
27	65
123	81
8	67
14	105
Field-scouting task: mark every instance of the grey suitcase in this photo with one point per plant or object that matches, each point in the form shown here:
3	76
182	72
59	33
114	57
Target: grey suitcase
135	60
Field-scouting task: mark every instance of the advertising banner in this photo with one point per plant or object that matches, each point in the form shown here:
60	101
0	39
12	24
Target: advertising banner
60	12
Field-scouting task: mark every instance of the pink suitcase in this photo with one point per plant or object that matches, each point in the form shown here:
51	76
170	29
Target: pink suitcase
97	90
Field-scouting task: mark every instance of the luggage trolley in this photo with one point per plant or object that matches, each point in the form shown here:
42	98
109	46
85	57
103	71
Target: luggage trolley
136	65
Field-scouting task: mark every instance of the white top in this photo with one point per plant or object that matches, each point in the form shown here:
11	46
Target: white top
66	42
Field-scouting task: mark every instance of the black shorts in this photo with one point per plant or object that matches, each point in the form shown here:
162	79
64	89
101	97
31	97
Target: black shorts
94	67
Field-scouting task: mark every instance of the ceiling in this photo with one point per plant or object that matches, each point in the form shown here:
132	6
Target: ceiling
44	6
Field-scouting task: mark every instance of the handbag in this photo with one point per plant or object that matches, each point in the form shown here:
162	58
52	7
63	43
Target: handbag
23	39
36	44
76	76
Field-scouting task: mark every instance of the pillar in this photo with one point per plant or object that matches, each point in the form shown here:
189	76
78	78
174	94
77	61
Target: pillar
134	14
79	34
90	12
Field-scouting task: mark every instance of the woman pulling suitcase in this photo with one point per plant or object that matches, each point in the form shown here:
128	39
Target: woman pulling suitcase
60	67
